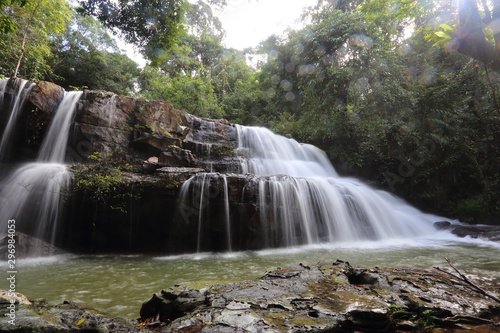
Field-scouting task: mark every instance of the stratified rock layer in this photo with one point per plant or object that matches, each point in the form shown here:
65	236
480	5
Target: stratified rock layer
163	148
328	298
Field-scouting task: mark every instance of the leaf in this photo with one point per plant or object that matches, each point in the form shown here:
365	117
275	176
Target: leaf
442	34
80	321
446	27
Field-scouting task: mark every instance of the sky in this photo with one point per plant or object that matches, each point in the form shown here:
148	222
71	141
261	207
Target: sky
248	22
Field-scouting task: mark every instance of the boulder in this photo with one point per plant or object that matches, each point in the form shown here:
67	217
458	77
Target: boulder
27	246
175	156
487	232
46	96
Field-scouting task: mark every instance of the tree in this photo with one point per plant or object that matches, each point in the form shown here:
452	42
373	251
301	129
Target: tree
193	94
154	26
197	73
364	83
26	50
471	38
86	56
7	9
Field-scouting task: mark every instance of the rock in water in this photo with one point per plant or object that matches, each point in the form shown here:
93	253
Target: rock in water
38	316
486	232
27	246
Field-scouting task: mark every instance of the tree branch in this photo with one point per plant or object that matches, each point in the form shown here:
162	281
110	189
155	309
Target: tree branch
463	278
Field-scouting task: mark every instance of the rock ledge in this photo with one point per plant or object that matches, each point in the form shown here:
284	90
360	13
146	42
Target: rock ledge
328	298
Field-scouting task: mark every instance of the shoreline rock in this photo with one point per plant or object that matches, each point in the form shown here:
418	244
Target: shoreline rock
37	316
328	298
486	232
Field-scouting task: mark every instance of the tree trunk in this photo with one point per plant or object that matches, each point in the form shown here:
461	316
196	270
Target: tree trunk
21	55
495	23
470	37
27	28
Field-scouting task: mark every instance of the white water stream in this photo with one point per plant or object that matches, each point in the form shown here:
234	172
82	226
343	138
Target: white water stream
22	88
303	201
306	207
31	193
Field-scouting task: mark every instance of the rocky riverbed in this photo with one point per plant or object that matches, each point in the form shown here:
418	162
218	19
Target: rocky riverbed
334	297
18	314
330	297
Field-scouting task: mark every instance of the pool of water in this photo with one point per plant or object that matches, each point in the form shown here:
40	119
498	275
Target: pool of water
118	285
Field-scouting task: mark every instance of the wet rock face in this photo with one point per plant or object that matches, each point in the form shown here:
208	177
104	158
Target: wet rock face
487	232
328	298
135	128
177	157
164	147
27	246
46	96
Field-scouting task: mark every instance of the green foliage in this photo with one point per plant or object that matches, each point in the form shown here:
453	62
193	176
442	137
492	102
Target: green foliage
151	25
26	50
86	56
193	94
198	75
412	117
106	182
7	8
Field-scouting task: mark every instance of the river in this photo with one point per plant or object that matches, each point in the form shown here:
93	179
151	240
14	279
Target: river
118	285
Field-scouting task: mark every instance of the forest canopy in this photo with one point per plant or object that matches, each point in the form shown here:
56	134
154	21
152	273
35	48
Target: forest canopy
403	94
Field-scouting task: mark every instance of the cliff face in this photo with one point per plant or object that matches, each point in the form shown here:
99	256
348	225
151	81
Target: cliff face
148	178
161	148
138	129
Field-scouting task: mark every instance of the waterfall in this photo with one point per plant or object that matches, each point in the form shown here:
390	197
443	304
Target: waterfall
227	217
304	201
53	147
204	204
3	85
22	89
301	200
32	193
265	153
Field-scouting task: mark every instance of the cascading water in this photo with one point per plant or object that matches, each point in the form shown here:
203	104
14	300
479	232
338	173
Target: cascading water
301	198
3	85
22	89
265	153
304	201
198	203
31	194
54	145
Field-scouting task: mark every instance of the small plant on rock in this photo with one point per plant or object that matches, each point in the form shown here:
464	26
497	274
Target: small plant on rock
106	181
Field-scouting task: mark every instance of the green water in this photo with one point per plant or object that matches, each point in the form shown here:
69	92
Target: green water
118	285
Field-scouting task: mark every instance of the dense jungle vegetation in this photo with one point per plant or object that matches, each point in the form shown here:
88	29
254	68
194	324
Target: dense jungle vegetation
401	93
